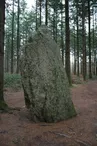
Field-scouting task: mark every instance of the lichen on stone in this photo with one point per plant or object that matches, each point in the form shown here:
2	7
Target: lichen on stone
45	84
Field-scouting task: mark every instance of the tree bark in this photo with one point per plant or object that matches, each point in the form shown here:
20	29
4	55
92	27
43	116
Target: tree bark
83	40
40	11
89	40
93	46
36	16
18	36
74	54
67	42
2	21
7	58
62	41
12	45
77	42
46	12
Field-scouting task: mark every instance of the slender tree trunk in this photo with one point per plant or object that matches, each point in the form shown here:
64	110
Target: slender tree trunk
46	12
23	36
62	41
56	25
40	11
74	54
23	32
89	40
2	21
55	21
36	16
18	36
77	43
7	53
54	33
94	71
12	45
93	46
7	65
81	65
83	40
67	41
2	17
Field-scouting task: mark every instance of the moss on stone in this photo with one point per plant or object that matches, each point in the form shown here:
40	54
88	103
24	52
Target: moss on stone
44	80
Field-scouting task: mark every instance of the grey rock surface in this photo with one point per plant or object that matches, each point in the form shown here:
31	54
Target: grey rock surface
45	84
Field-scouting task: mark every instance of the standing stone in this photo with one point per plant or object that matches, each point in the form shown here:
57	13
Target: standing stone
45	84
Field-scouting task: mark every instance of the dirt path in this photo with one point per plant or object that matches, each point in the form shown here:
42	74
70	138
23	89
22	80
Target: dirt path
17	130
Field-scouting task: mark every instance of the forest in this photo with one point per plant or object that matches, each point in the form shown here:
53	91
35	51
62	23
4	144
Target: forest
40	104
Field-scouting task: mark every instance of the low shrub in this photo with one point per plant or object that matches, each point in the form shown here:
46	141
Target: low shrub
12	81
77	80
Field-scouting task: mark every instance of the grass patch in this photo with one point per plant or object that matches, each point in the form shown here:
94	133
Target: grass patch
12	81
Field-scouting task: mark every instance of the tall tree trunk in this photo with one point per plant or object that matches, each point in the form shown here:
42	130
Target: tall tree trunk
74	53
46	12
54	26
7	65
36	16
77	42
83	40
93	46
2	21
7	52
18	36
40	11
67	41
62	41
12	45
89	40
55	15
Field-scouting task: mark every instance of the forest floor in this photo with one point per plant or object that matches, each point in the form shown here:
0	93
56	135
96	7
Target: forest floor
17	130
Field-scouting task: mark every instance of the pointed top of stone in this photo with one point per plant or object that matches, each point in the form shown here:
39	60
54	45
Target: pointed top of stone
44	80
44	29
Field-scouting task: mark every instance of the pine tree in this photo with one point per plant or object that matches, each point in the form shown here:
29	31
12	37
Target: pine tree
12	41
67	42
2	21
84	39
18	36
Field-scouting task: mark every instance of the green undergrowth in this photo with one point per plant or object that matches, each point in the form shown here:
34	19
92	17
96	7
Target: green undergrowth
94	77
12	81
3	106
77	80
